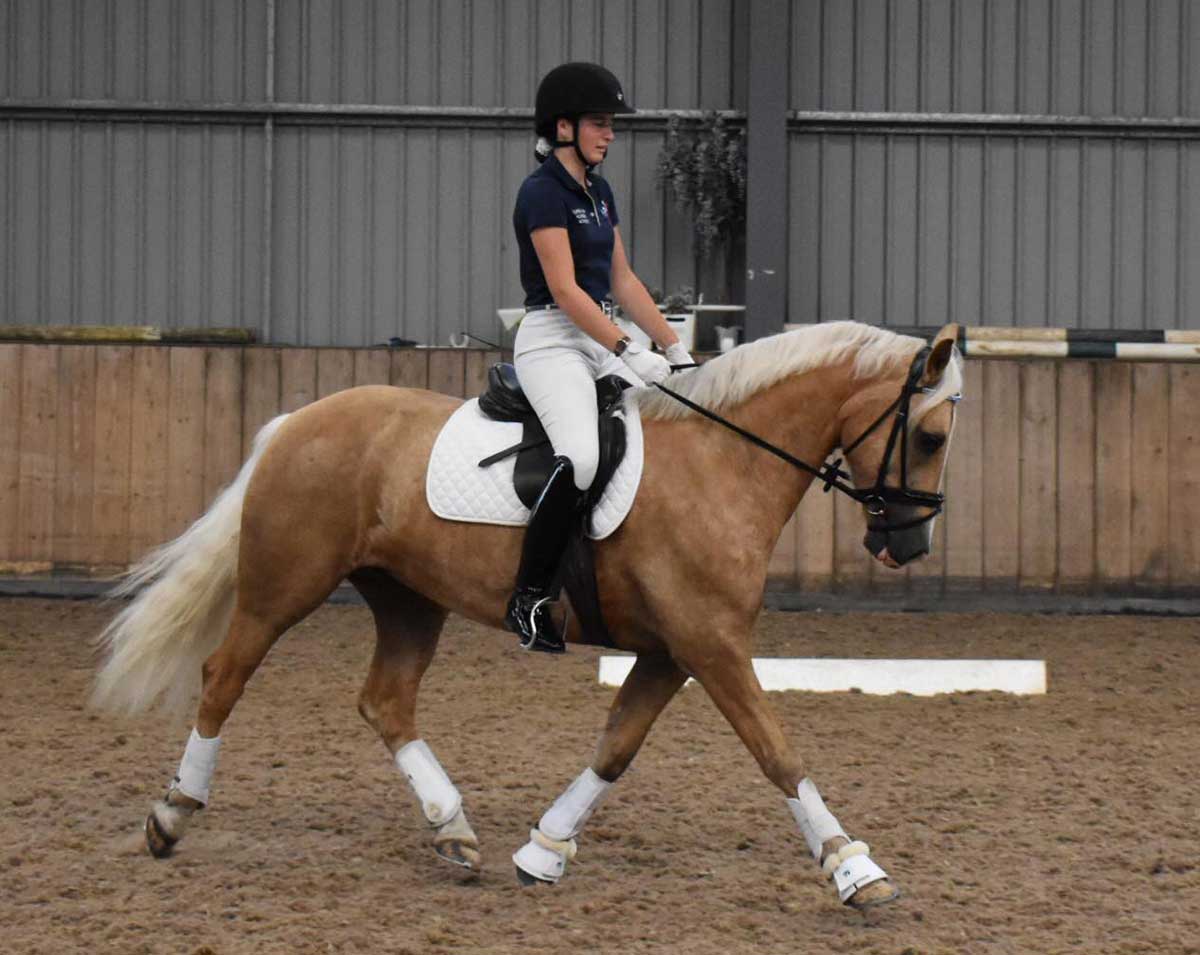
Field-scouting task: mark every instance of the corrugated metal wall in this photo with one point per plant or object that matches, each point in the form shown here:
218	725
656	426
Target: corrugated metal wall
669	53
205	163
1055	221
408	232
1065	57
340	172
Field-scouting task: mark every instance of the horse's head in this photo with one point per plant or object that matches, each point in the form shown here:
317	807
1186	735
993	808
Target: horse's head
896	433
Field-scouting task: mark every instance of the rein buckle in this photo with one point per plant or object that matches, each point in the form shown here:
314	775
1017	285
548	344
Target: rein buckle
831	472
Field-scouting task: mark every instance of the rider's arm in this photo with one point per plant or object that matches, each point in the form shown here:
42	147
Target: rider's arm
554	253
634	300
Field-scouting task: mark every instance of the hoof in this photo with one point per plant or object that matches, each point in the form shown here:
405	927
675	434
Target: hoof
158	841
526	879
875	894
460	853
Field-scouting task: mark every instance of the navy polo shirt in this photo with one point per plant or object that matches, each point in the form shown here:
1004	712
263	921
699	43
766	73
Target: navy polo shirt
550	197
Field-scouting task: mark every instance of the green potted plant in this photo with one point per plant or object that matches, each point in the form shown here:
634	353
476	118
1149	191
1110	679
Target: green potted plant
702	166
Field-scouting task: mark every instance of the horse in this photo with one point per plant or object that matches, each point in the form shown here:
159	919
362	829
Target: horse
335	491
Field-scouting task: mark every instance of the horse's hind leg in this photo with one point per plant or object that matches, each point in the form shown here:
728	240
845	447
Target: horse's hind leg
270	599
407	627
651	684
225	674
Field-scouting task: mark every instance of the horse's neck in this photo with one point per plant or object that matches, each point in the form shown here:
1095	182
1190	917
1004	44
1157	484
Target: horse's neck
799	415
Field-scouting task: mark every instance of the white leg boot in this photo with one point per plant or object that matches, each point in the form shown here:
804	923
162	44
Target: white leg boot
169	817
850	867
454	840
551	845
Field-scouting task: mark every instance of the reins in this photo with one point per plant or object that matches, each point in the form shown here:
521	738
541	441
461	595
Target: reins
829	473
876	498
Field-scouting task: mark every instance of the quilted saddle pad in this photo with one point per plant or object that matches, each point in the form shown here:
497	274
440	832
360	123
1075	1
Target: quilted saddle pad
458	489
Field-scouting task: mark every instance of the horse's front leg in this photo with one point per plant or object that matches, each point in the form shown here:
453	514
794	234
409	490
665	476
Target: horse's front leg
650	685
727	673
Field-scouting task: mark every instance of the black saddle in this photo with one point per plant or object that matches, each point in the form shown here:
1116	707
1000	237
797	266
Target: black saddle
505	401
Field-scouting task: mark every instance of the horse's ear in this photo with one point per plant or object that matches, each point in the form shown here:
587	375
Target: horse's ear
939	355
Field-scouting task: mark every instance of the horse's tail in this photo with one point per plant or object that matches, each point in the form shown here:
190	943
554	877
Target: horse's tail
156	645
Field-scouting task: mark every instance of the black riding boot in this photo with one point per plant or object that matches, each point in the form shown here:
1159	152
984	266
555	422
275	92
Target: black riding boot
554	517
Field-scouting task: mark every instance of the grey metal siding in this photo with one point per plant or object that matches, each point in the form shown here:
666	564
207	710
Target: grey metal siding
1051	231
1068	57
955	211
478	53
243	184
407	232
324	226
130	224
164	51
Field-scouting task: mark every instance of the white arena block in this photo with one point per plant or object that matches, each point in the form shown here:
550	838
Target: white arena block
918	677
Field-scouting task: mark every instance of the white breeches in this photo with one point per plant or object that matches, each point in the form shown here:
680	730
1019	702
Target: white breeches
557	365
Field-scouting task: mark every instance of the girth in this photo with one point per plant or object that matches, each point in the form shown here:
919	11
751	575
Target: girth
505	401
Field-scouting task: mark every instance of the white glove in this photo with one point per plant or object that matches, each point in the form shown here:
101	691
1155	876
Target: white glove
678	355
647	365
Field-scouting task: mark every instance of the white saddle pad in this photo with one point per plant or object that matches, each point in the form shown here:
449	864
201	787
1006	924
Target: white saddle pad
458	489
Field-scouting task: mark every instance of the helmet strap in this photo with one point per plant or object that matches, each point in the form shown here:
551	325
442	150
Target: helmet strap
588	166
551	145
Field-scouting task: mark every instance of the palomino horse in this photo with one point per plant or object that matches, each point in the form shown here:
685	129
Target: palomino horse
337	490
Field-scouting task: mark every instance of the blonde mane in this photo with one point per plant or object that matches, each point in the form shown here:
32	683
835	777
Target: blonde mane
733	377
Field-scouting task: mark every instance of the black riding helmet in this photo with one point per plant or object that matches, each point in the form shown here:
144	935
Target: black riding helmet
570	91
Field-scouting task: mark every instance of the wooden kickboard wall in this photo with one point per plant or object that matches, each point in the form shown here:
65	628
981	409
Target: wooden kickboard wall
1078	477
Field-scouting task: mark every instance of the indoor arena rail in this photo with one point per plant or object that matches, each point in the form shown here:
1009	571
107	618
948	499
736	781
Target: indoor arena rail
1148	345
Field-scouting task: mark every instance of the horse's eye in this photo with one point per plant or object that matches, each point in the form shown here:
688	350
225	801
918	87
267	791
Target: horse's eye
929	442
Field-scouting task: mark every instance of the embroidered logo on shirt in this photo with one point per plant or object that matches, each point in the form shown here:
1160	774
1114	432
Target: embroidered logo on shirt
582	216
604	208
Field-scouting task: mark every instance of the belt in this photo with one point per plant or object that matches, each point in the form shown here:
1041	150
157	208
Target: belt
606	307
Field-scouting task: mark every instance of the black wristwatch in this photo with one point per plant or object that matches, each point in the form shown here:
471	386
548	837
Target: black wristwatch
622	343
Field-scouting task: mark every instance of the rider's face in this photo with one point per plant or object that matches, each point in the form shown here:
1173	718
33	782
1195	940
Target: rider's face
595	132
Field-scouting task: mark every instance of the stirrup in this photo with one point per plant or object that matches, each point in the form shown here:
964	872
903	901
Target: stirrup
523	621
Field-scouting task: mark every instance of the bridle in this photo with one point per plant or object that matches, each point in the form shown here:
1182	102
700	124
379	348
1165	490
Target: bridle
880	495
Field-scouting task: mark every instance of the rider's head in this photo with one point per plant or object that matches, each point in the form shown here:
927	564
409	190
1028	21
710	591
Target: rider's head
575	106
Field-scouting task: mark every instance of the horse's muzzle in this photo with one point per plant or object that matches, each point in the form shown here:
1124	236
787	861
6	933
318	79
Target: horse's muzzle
900	547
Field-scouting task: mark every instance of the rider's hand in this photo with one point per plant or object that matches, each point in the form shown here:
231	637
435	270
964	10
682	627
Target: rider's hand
678	355
647	365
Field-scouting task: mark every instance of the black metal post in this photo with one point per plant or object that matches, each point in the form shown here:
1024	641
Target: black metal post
767	168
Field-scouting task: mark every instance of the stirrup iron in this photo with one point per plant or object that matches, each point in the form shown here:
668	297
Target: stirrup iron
533	628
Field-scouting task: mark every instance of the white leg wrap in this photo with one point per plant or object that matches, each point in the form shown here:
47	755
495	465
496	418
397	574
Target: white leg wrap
440	801
196	767
855	872
817	824
573	808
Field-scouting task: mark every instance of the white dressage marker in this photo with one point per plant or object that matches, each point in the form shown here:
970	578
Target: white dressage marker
918	677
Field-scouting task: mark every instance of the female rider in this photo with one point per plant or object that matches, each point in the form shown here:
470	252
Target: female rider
572	260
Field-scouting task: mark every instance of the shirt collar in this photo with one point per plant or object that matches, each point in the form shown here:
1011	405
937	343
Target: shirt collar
559	171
